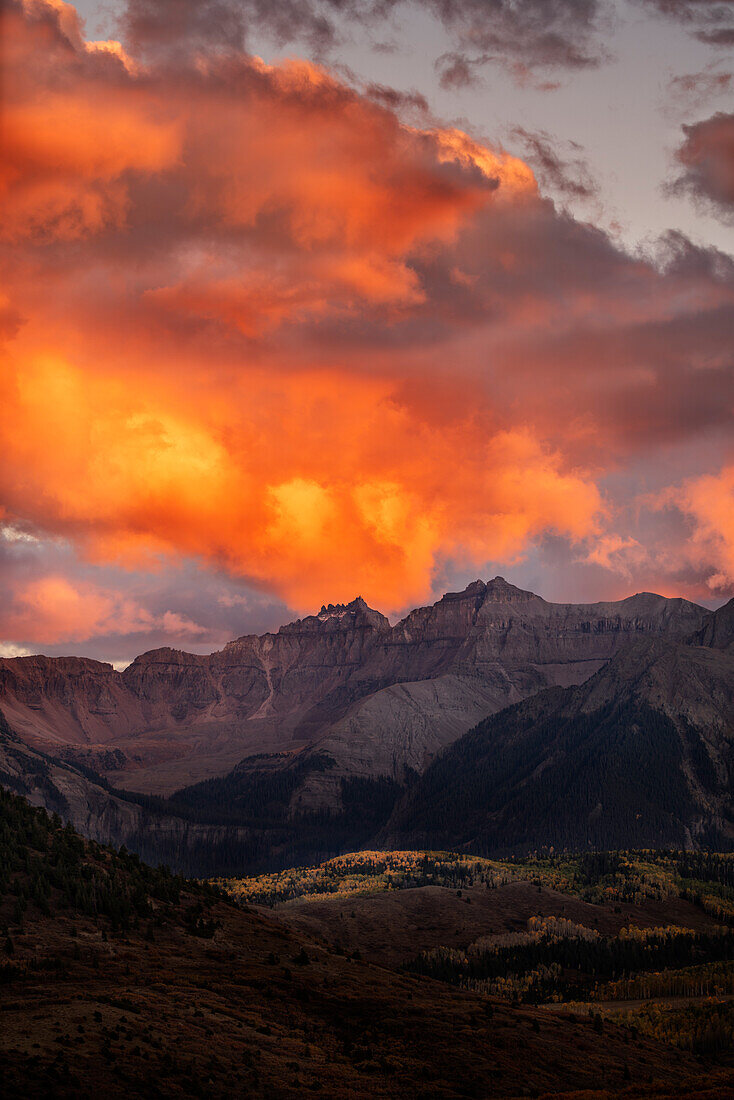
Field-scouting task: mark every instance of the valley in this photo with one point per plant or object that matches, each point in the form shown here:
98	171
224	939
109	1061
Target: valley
124	980
366	550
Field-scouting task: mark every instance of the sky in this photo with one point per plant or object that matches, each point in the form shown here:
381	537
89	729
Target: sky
309	299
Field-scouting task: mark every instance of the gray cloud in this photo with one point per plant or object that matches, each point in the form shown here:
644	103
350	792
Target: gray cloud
559	165
524	36
711	21
707	160
171	26
543	34
394	100
691	91
457	71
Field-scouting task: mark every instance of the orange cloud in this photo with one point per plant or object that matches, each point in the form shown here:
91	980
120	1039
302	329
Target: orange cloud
709	502
353	493
70	138
53	609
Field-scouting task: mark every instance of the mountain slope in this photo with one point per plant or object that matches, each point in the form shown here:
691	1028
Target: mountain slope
240	823
639	755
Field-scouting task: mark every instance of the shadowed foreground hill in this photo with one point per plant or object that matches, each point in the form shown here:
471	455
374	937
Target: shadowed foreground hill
121	980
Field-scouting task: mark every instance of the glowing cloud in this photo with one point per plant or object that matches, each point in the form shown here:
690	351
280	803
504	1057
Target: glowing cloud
131	476
709	502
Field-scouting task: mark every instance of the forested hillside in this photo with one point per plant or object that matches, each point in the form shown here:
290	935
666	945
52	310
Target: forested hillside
119	980
642	937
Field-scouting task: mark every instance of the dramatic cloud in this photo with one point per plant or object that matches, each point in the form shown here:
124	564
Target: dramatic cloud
707	156
257	321
129	479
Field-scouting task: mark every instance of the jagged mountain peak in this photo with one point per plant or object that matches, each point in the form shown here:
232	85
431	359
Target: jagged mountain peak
502	591
498	590
475	651
341	609
340	616
476	588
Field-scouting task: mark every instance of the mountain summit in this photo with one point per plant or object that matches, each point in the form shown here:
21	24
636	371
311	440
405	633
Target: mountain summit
341	616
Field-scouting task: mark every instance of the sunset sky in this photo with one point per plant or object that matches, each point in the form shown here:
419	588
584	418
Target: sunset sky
305	299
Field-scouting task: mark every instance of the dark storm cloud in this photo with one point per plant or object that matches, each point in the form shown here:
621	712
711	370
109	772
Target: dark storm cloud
707	159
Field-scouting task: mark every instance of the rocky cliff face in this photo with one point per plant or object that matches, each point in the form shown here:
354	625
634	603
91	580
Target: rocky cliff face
174	718
718	630
379	699
68	700
499	623
340	711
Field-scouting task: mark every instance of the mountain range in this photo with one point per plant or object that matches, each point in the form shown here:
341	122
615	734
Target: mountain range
591	725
